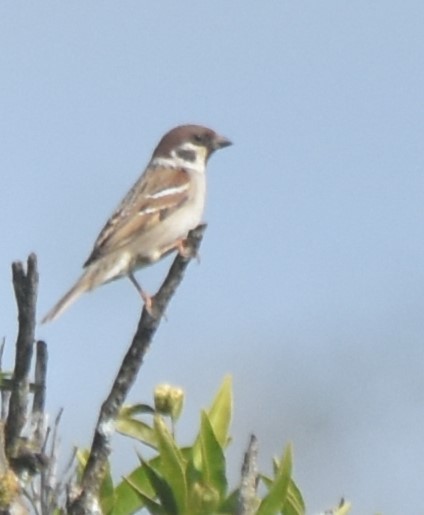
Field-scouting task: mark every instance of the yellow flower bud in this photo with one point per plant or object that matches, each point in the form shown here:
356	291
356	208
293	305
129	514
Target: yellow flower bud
169	400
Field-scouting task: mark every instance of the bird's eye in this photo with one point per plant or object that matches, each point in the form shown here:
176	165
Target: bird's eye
198	138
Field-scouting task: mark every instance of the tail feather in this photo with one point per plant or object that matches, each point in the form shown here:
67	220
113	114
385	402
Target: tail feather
84	284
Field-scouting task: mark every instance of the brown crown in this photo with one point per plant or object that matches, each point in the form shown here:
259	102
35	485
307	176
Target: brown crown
196	134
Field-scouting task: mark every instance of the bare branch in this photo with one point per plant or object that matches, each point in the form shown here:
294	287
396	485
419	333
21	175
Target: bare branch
25	286
247	501
5	393
86	502
50	486
39	399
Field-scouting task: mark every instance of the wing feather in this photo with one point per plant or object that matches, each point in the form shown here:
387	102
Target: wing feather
152	199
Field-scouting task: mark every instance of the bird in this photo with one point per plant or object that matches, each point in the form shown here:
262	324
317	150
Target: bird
155	216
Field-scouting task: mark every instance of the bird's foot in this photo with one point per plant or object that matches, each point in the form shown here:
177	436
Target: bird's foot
147	298
186	250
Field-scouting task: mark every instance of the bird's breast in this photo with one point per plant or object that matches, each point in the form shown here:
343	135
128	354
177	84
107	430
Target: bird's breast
162	238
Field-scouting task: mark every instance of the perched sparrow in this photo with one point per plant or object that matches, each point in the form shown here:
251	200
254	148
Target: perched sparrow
155	216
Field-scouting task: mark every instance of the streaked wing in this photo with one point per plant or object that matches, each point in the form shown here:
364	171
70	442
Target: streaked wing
152	199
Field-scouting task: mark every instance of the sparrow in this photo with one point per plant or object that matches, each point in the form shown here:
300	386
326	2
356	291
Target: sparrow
155	216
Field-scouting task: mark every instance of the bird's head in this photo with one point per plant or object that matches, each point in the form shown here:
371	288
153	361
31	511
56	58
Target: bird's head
190	145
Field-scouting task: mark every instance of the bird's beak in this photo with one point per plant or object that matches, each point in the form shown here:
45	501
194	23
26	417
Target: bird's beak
221	142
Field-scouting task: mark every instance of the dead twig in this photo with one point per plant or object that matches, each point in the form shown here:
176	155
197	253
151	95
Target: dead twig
247	501
25	286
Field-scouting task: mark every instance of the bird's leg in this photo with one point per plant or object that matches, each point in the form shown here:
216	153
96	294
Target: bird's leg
186	251
147	299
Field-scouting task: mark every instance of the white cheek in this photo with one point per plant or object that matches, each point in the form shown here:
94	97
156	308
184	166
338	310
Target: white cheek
198	165
177	162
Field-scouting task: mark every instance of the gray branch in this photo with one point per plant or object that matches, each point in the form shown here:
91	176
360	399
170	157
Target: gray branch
39	399
25	286
247	501
87	500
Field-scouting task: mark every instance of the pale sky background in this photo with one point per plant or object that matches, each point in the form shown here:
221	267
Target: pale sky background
310	290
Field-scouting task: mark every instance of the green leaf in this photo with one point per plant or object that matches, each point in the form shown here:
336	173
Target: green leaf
126	499
274	500
213	459
221	410
162	489
172	464
219	415
153	507
295	504
129	410
203	500
230	504
137	429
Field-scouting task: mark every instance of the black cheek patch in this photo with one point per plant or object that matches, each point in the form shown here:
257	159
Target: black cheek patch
187	155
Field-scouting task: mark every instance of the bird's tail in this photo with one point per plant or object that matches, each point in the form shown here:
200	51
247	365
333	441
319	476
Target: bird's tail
85	283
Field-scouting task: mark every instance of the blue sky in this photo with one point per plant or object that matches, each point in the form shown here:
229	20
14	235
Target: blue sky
310	287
